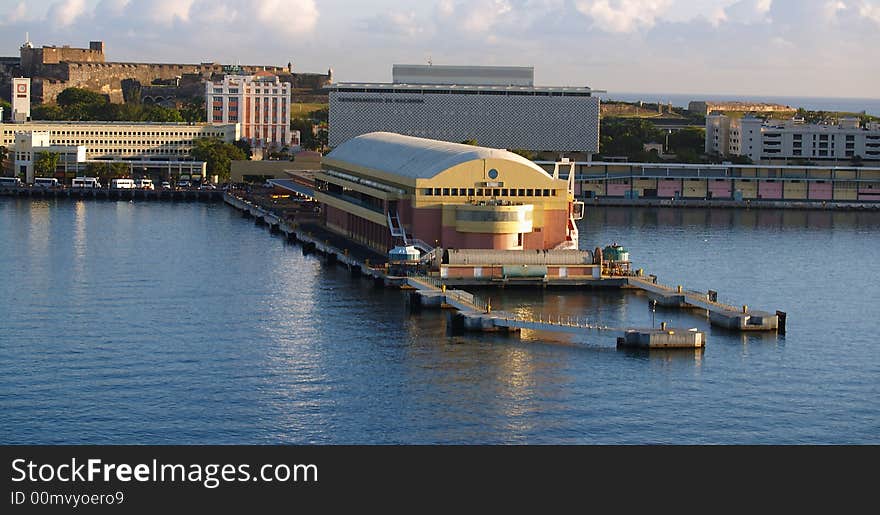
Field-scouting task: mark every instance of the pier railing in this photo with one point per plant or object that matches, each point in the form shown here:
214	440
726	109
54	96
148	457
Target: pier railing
696	298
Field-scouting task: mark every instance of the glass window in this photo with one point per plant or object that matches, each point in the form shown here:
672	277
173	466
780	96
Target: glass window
496	192
445	192
470	192
505	192
428	192
530	192
454	192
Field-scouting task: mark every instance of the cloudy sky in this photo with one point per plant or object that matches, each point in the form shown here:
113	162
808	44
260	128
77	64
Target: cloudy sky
747	47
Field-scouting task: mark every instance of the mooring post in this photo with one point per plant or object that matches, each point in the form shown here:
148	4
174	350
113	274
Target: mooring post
780	316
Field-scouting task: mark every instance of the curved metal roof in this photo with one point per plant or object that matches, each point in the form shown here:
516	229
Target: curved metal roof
416	158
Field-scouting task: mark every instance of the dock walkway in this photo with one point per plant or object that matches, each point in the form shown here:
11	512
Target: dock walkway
720	314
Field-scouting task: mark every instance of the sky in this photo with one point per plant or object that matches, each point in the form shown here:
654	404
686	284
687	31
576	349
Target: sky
814	48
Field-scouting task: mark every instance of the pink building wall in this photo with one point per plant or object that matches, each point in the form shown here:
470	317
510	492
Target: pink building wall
769	190
820	191
617	190
668	187
720	189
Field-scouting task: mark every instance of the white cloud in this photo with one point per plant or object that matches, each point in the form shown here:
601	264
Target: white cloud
870	11
748	11
64	13
286	16
445	8
717	17
112	7
399	23
160	12
780	42
623	15
474	17
16	14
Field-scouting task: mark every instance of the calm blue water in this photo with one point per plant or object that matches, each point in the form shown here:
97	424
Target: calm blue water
156	323
851	105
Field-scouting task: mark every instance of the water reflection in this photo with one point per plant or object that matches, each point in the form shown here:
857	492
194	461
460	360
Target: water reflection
694	356
79	240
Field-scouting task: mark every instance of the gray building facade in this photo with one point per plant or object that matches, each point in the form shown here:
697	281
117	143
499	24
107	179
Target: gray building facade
558	119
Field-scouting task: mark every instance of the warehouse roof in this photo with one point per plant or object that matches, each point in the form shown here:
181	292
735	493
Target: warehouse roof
417	158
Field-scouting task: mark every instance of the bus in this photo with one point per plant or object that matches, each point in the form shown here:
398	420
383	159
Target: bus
85	182
10	182
122	184
46	182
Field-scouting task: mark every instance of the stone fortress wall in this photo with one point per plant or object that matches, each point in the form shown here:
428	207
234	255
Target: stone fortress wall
53	69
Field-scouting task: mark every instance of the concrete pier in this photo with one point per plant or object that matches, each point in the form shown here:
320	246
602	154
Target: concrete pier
721	315
663	338
113	194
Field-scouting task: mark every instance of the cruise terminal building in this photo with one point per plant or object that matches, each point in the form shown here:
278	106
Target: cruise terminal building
383	190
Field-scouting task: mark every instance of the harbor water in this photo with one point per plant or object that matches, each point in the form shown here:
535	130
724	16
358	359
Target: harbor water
184	323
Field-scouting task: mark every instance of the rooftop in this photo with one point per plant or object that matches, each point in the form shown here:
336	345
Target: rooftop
416	158
389	87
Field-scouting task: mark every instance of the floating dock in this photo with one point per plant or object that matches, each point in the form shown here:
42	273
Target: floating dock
663	338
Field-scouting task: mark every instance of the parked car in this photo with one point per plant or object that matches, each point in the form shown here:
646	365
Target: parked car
183	184
166	185
207	186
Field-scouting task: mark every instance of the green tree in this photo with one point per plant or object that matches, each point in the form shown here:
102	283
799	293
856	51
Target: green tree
154	113
218	155
626	136
193	111
691	141
470	142
739	160
321	115
322	138
4	153
83	105
73	96
245	147
47	112
45	163
7	109
306	128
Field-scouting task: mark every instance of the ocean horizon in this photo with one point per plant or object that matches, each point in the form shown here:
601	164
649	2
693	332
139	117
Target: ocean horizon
870	106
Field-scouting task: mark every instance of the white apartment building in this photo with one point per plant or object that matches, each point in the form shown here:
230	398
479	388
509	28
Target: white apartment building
128	140
260	103
768	140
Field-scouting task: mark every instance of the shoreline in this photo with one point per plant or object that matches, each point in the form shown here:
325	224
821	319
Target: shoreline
805	205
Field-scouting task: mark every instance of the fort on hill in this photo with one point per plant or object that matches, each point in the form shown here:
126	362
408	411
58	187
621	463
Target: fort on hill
705	107
53	69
